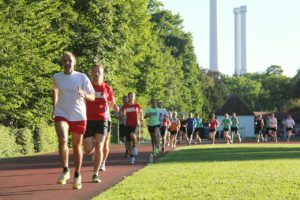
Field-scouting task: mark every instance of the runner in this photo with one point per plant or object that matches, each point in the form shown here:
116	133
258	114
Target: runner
175	125
164	123
273	127
259	125
289	123
154	125
227	123
190	127
122	131
213	125
70	90
198	128
182	129
134	114
97	133
235	127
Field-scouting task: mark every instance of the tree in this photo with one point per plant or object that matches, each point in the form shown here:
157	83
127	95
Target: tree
274	70
33	35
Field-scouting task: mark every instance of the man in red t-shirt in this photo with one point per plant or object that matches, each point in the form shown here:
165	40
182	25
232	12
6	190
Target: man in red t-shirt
96	135
134	114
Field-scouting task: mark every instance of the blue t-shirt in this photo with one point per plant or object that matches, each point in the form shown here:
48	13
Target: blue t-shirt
191	124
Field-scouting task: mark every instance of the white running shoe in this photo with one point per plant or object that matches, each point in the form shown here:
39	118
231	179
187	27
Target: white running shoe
77	183
102	167
63	178
132	159
135	151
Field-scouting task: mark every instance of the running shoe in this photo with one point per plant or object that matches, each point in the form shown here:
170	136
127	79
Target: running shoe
77	183
96	179
132	159
63	178
155	152
102	167
135	152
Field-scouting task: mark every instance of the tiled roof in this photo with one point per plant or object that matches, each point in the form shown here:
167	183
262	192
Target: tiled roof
234	104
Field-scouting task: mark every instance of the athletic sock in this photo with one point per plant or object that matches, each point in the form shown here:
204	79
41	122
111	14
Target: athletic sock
76	174
65	169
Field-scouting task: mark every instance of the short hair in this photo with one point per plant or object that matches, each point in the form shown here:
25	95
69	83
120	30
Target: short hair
98	65
129	93
69	54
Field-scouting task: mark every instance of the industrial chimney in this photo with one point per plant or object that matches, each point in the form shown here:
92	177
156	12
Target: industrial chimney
243	10
237	41
213	56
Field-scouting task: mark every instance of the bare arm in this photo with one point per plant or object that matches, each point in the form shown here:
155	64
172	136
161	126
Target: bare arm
90	97
113	105
141	115
87	96
54	100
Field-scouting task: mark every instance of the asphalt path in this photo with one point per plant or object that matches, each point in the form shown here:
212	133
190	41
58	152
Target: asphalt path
34	177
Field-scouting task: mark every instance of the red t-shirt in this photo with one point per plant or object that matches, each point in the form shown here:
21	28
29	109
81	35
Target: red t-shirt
99	109
131	112
213	124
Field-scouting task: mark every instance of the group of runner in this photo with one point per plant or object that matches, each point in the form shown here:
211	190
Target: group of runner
229	124
81	108
268	127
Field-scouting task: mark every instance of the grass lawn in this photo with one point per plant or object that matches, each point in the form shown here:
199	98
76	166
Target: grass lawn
239	171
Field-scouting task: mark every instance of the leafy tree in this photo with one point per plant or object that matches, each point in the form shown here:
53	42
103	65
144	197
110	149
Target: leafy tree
274	70
33	34
296	85
215	94
248	90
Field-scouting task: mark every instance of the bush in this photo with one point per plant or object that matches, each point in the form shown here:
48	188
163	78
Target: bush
9	146
46	139
114	132
25	140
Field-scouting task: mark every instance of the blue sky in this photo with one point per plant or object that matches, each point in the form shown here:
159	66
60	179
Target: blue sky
273	32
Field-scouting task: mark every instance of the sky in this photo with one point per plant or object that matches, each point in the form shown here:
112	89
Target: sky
273	32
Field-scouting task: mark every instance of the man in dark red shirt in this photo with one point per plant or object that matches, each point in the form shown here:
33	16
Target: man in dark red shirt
134	115
97	119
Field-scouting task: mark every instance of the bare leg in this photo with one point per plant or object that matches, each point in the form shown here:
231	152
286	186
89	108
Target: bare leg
157	137
62	129
239	137
106	147
77	150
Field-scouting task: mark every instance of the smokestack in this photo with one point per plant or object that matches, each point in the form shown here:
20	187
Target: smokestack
243	10
213	57
237	40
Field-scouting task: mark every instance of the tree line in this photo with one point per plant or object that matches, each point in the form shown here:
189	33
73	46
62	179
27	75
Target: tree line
143	47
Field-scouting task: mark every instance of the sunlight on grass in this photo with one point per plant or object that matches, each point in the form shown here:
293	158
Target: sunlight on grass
245	171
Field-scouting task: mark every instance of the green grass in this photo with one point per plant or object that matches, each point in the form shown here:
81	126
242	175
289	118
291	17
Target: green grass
245	171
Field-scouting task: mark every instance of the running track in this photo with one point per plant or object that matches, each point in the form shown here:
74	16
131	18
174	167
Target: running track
35	177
